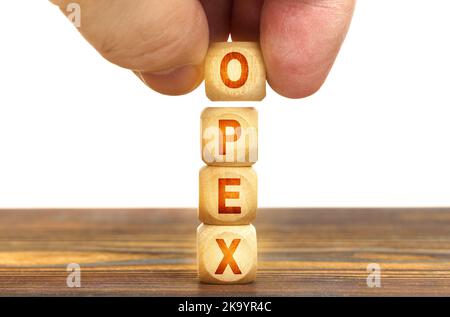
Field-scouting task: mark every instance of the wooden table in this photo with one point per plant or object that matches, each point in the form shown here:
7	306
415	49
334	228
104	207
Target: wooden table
152	252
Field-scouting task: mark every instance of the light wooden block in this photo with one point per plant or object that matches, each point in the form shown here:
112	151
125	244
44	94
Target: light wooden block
227	195
229	136
234	71
226	254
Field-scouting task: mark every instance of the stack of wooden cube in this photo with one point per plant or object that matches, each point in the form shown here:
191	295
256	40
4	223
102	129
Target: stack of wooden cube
226	239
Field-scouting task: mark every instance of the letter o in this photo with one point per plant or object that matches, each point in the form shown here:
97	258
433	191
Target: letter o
224	70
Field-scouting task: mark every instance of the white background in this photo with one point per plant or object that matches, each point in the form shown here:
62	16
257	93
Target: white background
77	131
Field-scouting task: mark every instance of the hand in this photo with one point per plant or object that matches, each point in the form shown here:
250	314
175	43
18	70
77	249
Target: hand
165	41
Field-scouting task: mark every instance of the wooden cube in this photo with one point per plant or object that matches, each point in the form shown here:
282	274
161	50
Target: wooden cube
234	71
227	195
226	254
229	136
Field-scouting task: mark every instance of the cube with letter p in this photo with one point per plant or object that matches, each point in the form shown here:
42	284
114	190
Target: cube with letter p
229	136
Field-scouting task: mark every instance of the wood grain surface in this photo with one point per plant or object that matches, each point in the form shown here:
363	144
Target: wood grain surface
151	252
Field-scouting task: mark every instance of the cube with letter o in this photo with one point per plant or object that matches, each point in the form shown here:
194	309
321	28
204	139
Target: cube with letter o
234	71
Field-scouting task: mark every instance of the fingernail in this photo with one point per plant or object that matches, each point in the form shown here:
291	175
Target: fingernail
177	81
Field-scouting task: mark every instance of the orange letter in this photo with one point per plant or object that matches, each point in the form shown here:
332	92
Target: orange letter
224	138
228	256
223	194
224	70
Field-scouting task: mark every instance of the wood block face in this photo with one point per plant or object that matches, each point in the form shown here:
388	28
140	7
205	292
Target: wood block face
226	254
234	71
227	195
229	136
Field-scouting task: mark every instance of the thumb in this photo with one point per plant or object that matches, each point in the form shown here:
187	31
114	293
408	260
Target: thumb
300	41
163	42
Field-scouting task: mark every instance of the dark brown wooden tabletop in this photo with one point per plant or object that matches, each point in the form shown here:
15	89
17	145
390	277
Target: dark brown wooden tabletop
151	252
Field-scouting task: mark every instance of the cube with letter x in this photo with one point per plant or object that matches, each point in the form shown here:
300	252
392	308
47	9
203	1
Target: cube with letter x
226	254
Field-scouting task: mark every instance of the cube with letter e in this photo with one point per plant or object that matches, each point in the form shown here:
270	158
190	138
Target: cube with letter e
227	195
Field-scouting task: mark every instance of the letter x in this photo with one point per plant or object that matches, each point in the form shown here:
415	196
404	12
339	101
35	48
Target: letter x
228	256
